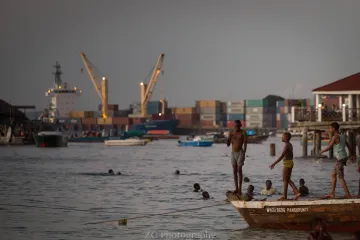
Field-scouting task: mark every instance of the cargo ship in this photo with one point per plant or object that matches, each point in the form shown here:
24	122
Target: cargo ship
168	125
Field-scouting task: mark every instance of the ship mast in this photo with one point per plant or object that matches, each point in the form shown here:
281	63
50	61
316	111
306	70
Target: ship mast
58	74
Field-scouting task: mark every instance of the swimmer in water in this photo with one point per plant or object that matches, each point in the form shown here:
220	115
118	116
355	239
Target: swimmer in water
118	173
177	172
319	232
197	187
205	195
111	172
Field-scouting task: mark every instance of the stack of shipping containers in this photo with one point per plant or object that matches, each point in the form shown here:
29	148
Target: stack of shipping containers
209	111
254	113
188	117
223	114
235	111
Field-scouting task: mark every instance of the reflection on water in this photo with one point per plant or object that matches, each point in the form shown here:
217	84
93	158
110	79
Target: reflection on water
52	193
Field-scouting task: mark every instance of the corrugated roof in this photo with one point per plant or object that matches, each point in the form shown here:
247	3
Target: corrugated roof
7	111
350	83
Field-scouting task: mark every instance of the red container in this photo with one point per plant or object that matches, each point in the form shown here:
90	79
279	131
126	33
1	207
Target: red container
278	124
158	132
88	121
187	123
121	120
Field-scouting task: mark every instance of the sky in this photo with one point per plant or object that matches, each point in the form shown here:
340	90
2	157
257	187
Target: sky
223	50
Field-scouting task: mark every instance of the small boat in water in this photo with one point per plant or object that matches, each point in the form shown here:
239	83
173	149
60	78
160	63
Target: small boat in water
127	142
196	142
340	215
51	139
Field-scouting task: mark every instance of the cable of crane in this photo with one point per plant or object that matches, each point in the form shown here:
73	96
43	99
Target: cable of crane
123	221
149	75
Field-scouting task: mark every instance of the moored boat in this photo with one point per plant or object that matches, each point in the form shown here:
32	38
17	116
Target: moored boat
196	142
126	142
51	139
340	215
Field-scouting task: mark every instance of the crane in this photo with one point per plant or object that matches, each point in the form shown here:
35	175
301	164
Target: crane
100	87
148	89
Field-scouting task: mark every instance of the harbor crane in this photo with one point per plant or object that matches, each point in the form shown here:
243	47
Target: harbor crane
100	87
147	89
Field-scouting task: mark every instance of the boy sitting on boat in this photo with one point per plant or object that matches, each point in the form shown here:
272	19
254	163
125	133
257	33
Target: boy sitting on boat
339	144
287	157
269	190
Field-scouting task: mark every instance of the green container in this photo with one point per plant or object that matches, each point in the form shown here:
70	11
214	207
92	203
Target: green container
256	103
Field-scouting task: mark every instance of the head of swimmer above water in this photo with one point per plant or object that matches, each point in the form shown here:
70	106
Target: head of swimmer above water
177	172
111	172
196	187
268	184
250	189
205	195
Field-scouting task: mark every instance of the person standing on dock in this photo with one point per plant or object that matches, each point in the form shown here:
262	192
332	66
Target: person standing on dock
288	156
339	144
238	140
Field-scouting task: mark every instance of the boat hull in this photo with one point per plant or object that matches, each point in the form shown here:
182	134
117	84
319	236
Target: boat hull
340	215
195	143
89	139
51	141
126	142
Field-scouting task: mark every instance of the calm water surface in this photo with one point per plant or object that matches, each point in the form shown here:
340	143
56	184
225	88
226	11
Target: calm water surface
53	193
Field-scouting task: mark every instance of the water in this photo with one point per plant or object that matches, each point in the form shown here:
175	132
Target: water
52	193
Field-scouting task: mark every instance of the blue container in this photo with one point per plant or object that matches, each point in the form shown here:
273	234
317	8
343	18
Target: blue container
233	117
280	103
250	132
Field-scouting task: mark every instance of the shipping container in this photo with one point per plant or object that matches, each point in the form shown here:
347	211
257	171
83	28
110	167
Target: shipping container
158	132
256	103
104	121
187	123
254	110
88	121
122	120
213	117
278	117
81	114
280	103
254	117
236	104
236	109
187	110
271	100
208	104
232	117
121	113
112	107
254	124
209	110
278	124
207	123
223	107
269	110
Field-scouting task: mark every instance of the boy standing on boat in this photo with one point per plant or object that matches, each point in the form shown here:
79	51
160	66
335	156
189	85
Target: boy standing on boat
339	144
287	155
238	140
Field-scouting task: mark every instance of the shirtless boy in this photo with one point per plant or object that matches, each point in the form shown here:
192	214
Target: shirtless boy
287	155
238	140
339	144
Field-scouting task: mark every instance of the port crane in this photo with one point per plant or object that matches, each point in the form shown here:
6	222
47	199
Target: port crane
147	89
100	87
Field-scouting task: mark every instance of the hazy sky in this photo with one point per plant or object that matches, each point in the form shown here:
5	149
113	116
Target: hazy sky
226	50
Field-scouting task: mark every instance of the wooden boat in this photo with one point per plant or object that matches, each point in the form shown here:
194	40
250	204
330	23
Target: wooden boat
196	142
126	142
340	215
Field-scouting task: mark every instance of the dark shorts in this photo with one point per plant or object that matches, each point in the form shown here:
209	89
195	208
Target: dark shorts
339	168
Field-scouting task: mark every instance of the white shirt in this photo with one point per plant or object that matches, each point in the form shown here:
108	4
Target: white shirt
269	192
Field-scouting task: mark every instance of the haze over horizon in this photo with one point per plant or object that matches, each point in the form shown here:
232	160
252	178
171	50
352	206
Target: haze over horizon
224	50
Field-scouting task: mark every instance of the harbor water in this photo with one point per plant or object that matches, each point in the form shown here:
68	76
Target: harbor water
54	193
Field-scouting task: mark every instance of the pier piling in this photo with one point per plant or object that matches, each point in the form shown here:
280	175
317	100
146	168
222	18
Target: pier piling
317	142
305	142
314	143
331	151
272	149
